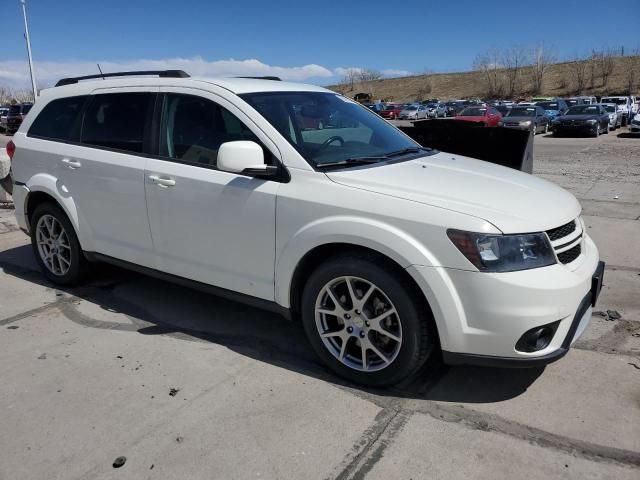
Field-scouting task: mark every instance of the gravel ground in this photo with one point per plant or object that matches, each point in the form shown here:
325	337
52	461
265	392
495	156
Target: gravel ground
185	385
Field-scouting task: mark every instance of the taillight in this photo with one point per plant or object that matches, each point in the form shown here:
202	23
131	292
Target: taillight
11	149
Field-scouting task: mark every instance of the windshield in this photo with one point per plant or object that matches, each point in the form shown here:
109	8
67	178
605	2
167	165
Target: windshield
610	108
14	109
327	128
571	102
411	107
549	105
522	112
473	112
390	107
583	110
616	100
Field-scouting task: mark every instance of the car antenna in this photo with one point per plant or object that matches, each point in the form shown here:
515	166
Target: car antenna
100	70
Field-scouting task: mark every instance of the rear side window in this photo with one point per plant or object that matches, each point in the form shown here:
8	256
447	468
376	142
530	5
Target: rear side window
58	119
117	121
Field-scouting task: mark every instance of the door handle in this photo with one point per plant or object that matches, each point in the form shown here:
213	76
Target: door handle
72	164
163	182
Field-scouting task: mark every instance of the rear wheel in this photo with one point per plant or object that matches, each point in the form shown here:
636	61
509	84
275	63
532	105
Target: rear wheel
55	245
363	321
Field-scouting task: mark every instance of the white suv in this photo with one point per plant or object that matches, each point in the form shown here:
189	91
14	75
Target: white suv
297	199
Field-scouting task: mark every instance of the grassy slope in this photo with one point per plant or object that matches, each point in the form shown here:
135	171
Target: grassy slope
558	82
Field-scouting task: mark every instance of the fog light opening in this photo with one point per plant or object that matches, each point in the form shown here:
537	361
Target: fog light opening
537	338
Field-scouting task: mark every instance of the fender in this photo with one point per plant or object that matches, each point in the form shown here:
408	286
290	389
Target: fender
368	233
52	186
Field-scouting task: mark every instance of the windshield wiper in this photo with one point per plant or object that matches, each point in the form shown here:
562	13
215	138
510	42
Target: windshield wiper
407	150
354	161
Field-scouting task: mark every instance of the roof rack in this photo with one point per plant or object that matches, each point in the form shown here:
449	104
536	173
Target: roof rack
277	79
159	73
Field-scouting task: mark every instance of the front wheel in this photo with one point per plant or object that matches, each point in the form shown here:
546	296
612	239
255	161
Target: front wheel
56	246
363	321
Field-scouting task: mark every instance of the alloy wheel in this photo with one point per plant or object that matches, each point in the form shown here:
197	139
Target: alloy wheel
358	324
53	245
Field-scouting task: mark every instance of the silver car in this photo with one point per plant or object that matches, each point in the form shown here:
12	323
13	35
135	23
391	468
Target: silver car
413	112
436	110
615	120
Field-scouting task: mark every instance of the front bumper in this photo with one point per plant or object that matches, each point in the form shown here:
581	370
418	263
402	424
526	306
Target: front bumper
481	316
579	128
578	326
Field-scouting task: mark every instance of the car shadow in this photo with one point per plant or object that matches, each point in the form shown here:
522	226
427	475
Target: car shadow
155	307
628	135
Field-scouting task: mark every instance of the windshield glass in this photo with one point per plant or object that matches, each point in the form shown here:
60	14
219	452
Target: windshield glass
549	105
473	112
14	109
610	108
571	102
522	112
617	101
328	128
411	107
583	110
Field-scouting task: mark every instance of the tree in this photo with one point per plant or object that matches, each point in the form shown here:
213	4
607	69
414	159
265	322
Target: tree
578	69
369	75
540	60
603	63
489	64
351	76
630	73
514	59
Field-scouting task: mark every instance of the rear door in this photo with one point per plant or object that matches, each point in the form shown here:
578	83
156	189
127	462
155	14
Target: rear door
104	174
208	225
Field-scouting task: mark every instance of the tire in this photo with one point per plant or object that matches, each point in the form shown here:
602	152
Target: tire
546	128
405	317
73	269
596	134
534	130
606	131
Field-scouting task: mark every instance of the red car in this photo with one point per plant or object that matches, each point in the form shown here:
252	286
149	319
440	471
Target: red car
487	115
391	111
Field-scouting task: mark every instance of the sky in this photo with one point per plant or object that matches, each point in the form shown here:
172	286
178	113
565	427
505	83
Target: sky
301	40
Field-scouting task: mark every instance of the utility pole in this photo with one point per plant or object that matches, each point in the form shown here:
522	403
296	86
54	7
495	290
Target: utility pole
26	37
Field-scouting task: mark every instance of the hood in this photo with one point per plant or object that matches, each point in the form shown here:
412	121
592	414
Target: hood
514	118
471	119
513	201
579	118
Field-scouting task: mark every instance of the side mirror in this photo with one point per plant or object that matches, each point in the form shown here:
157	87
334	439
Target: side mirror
244	157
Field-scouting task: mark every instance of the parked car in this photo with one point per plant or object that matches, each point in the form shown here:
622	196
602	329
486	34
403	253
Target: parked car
413	112
554	108
392	111
16	115
589	119
624	104
454	108
487	115
634	125
388	252
532	118
375	107
4	111
615	120
436	110
503	109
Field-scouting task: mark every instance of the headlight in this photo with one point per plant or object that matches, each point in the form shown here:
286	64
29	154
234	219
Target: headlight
525	123
592	121
504	253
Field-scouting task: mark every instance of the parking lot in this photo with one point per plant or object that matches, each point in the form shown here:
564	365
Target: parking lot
186	385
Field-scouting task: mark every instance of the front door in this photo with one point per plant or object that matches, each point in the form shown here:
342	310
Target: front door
207	225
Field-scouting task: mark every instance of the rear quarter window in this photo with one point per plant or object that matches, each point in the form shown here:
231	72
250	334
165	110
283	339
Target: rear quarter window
58	120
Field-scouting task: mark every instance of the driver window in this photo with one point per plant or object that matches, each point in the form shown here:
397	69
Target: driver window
193	128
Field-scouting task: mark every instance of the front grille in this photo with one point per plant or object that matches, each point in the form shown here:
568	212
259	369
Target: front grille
561	232
570	255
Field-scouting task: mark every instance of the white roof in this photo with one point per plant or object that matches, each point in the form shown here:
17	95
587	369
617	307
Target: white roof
235	85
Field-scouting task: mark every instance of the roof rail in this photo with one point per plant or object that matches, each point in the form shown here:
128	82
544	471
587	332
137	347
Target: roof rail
277	79
159	73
